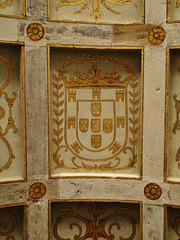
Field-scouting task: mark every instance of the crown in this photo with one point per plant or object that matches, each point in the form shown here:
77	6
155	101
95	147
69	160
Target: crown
95	77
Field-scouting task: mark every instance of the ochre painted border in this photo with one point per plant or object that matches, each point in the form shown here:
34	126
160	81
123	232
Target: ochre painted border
168	14
22	79
141	116
92	200
98	23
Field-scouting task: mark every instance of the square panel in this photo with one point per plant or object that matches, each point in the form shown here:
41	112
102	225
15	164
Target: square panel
12	113
12	8
95	112
172	222
172	146
95	220
95	11
13	222
173	10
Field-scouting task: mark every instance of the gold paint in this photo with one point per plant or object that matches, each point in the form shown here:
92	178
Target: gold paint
97	227
35	31
37	190
7	232
96	13
88	167
177	3
176	222
5	4
152	191
128	23
11	121
13	219
156	35
16	16
166	115
177	106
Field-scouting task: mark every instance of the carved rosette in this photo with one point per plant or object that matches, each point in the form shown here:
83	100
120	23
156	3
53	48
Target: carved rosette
152	191
94	221
37	190
35	31
156	35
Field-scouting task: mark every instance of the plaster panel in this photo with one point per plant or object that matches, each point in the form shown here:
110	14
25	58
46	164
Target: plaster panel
173	11
126	12
172	221
12	114
13	222
95	220
95	112
172	148
12	8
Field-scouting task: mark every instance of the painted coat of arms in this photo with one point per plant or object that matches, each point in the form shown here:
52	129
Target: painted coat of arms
96	111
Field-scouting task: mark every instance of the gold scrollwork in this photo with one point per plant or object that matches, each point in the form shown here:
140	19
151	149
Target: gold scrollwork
6	3
11	122
177	3
3	226
95	77
97	227
96	13
175	226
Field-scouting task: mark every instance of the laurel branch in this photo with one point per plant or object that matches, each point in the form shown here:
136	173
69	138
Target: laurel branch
59	110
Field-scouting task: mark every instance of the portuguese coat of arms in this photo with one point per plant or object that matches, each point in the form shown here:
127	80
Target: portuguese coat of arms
96	107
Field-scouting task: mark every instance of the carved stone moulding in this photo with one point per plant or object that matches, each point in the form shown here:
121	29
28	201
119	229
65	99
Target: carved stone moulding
35	31
172	222
172	146
12	113
96	11
173	11
37	190
13	222
95	220
95	112
152	191
12	8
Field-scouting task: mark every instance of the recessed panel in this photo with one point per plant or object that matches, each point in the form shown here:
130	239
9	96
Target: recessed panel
12	8
12	124
13	223
172	223
173	10
95	108
173	117
95	220
95	11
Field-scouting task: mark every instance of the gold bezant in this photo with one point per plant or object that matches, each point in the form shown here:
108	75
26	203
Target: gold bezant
35	31
96	13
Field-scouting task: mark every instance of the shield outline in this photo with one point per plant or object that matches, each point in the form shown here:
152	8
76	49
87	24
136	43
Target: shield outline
126	131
